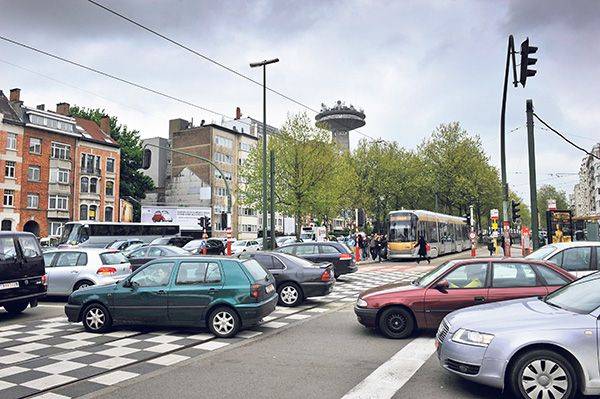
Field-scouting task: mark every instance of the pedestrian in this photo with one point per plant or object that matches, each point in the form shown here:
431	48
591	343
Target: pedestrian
491	247
365	248
422	244
374	247
383	249
359	243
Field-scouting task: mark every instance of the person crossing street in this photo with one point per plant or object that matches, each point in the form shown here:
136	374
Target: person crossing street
422	244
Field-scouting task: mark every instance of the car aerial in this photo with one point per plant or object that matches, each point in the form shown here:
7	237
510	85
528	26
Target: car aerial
538	347
145	254
214	246
122	245
244	246
396	310
177	241
297	278
579	257
22	273
71	269
337	254
223	294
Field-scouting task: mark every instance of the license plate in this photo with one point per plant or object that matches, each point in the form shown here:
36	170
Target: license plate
7	286
270	288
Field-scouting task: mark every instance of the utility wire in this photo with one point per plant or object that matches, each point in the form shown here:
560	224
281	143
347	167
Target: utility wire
564	138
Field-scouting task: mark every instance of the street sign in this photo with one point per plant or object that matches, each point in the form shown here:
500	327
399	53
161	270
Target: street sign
472	235
494	214
495	226
551	204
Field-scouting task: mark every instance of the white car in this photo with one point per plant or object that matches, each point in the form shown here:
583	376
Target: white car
71	269
241	246
580	258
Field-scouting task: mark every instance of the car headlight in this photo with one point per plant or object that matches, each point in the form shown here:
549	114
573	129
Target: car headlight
469	337
361	303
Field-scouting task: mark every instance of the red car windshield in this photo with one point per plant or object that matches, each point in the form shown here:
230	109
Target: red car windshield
434	274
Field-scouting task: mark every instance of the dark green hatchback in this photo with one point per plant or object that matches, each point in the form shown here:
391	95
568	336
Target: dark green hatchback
219	293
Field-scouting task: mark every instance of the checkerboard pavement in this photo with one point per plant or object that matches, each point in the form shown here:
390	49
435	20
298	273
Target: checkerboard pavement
55	359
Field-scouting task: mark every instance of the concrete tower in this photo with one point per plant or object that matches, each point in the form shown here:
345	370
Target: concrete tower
340	120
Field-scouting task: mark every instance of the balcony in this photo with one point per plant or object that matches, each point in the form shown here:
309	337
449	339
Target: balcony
91	171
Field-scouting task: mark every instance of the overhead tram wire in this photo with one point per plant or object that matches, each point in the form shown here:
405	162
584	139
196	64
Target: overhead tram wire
564	138
122	80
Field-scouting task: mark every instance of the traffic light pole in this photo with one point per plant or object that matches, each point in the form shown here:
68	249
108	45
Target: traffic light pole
272	202
532	175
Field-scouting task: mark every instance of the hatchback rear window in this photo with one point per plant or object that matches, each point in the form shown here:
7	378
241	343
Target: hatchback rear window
113	258
255	269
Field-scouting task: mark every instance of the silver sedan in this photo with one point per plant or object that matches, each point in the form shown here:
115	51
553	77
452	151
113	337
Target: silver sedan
540	348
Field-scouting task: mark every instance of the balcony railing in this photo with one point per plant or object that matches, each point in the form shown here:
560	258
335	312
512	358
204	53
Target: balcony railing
91	171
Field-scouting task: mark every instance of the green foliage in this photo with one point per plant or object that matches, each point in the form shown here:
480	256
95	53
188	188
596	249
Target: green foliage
132	182
546	192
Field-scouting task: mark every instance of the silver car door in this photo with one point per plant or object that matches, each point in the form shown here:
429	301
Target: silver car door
49	265
65	272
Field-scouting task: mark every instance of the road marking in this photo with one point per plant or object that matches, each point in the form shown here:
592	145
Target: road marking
388	378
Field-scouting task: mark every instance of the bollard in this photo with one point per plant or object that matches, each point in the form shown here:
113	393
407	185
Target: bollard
229	242
357	253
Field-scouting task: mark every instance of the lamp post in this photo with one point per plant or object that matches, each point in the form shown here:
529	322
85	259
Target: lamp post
264	149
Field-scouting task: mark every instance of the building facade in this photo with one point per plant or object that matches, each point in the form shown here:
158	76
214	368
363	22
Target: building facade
586	193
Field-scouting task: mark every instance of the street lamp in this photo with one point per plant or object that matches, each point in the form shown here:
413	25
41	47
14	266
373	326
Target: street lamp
264	149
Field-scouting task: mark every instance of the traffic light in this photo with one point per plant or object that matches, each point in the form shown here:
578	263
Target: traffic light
526	60
515	211
146	158
467	218
223	220
202	223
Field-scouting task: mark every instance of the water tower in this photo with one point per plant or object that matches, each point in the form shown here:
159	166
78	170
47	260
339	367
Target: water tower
340	120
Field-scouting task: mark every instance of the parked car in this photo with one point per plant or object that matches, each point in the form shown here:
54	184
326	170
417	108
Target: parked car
537	347
223	294
177	241
214	246
244	246
132	248
297	278
145	254
397	310
285	240
334	252
71	269
22	274
579	257
122	245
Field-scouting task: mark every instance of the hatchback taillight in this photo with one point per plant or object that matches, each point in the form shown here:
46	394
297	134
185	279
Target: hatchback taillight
106	270
45	279
255	291
326	276
345	257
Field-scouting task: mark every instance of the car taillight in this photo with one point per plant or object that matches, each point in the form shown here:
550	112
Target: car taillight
106	270
326	276
255	291
45	279
345	257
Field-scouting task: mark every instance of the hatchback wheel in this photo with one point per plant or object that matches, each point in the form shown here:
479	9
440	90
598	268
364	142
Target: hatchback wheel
96	318
396	322
82	284
224	322
543	374
289	295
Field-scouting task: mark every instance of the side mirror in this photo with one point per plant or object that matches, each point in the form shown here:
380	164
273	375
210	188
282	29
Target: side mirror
442	285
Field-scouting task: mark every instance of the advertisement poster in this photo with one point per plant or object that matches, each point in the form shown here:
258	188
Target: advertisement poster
186	218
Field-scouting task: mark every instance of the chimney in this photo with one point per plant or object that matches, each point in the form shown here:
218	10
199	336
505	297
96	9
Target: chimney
105	124
238	113
15	95
63	109
41	107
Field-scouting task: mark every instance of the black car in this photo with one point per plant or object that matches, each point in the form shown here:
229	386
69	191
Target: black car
145	254
177	241
296	278
214	246
336	253
22	274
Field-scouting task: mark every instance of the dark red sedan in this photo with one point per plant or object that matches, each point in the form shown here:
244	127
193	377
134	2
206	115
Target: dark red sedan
397	310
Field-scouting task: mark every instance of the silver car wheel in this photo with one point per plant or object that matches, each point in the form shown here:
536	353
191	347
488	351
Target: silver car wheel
95	318
289	295
544	378
83	285
223	322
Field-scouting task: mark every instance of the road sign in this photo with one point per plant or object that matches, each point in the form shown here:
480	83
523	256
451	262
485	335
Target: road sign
494	214
472	235
551	204
494	225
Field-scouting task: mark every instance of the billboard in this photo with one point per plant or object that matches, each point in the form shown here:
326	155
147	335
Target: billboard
185	217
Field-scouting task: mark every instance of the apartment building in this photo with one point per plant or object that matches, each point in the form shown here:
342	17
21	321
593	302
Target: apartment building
49	184
586	193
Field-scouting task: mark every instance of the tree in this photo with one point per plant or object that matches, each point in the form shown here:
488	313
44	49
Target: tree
132	182
312	177
546	192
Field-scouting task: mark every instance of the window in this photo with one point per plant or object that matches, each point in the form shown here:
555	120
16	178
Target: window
328	249
113	258
213	273
11	141
9	197
219	140
94	185
246	147
219	176
155	275
154	252
108	214
62	176
33	201
92	212
551	277
287	249
303	250
191	272
6	225
513	275
575	259
7	249
30	247
60	151
35	145
9	169
468	276
110	165
56	228
249	228
223	158
90	163
34	173
83	212
140	253
221	192
248	212
51	123
48	258
265	261
58	202
68	259
85	184
110	188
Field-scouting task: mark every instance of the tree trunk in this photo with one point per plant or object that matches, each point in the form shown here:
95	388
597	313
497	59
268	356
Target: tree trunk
297	226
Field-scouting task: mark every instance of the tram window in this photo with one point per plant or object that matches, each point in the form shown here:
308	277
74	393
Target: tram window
433	233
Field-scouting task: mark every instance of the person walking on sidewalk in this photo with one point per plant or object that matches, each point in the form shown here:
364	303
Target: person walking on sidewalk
422	244
365	248
374	246
383	247
360	244
491	246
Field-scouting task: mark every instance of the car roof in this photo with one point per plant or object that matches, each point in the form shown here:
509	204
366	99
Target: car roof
16	233
84	249
572	244
505	259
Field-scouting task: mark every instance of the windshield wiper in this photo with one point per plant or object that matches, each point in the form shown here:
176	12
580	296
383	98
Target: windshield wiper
554	305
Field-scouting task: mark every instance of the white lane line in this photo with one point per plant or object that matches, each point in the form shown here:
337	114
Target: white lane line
388	378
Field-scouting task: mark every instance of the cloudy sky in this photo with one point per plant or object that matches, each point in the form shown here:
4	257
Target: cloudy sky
410	64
